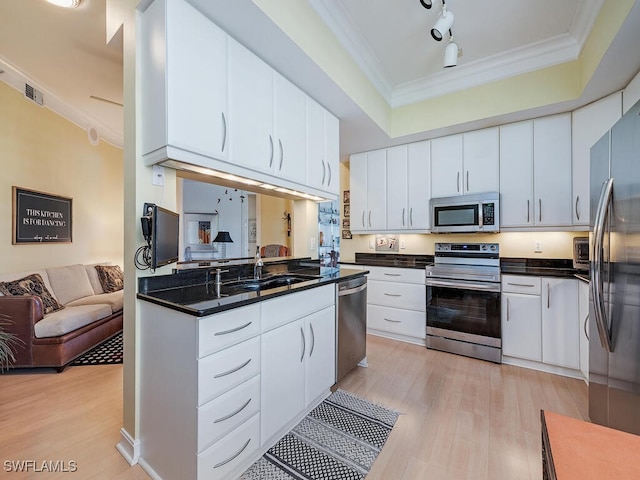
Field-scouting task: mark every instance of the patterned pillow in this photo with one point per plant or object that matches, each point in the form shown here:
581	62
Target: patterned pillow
32	285
111	278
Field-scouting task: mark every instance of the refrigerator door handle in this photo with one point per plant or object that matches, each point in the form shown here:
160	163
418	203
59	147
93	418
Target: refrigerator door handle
597	264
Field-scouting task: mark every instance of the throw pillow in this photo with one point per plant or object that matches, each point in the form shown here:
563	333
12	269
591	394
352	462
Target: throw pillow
111	277
32	285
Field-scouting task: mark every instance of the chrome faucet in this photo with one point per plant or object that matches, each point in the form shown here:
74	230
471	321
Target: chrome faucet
257	266
218	280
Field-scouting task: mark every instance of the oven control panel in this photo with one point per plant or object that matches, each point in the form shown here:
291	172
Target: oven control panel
479	249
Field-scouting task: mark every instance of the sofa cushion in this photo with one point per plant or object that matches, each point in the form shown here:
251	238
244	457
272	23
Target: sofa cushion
9	277
115	299
70	319
93	277
111	278
32	285
70	283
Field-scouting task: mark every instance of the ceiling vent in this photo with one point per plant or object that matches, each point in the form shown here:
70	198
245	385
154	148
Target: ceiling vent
33	94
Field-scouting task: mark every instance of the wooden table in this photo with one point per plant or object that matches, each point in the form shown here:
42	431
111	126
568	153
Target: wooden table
574	449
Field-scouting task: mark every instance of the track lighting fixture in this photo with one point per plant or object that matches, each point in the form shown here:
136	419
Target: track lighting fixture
442	26
65	3
450	53
426	4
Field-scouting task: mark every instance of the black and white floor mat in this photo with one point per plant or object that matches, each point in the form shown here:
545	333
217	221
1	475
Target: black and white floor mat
108	352
340	439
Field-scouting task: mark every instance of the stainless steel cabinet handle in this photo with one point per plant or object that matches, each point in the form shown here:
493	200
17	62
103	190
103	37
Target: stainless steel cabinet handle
540	209
403	217
392	274
224	131
392	321
363	224
528	212
232	457
324	172
393	294
233	370
233	414
281	154
411	216
508	305
226	332
520	285
304	344
586	333
313	339
577	212
369	218
329	180
467	180
458	182
271	149
548	296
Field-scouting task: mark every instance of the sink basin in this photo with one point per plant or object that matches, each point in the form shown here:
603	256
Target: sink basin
272	281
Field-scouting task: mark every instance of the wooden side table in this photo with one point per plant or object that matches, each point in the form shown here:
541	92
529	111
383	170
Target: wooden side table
577	450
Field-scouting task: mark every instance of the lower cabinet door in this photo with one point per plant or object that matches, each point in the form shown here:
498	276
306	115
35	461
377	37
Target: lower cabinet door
320	365
282	376
521	327
230	456
560	325
397	320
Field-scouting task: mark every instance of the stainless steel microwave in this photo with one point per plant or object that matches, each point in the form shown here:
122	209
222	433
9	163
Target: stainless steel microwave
466	213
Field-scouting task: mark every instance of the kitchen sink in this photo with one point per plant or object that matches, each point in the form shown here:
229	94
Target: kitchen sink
271	281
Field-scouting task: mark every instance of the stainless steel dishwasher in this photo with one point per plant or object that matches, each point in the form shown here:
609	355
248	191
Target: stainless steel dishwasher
351	341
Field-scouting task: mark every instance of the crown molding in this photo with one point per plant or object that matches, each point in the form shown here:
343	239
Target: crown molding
584	19
16	79
518	61
342	25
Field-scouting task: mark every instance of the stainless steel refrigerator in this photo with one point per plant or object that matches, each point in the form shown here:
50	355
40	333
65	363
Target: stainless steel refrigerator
614	309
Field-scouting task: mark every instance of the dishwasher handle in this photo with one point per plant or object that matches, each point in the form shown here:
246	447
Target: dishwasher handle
350	291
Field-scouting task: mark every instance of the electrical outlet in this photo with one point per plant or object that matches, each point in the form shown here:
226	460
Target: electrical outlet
314	244
158	175
371	245
537	247
403	245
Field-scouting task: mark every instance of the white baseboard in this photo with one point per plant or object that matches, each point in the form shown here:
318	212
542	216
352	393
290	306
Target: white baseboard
543	367
129	447
396	336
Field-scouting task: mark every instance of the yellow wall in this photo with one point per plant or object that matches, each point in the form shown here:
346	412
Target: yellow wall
273	229
42	151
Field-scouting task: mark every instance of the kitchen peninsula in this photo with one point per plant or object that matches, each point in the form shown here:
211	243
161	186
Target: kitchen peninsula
229	362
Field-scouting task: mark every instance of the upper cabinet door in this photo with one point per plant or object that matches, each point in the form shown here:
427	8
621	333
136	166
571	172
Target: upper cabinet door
397	191
377	190
289	130
418	185
589	124
446	166
481	161
552	170
332	152
184	94
252	144
358	187
516	175
316	166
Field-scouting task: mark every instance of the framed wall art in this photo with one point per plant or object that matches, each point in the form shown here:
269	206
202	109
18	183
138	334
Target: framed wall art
40	217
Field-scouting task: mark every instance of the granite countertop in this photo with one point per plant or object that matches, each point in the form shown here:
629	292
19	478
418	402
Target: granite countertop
549	267
190	292
392	260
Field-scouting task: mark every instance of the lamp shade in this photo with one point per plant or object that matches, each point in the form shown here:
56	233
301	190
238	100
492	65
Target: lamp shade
442	26
222	237
451	55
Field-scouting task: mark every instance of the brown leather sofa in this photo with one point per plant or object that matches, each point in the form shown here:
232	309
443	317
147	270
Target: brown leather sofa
89	317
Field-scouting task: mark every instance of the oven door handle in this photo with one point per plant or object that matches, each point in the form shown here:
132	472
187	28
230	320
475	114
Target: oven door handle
484	287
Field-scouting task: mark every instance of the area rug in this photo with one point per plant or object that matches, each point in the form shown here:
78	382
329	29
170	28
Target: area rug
339	439
108	352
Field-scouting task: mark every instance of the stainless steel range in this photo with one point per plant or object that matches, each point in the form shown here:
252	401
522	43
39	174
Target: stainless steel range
463	300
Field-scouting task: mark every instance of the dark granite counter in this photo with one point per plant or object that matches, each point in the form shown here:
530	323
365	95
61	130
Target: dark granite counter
393	260
548	267
193	292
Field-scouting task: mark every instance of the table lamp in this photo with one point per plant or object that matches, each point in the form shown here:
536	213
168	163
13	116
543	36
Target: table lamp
223	238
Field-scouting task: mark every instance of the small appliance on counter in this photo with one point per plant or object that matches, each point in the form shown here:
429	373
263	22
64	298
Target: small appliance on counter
581	253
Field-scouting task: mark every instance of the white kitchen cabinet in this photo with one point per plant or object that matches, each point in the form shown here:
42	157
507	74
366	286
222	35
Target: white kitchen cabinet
521	326
323	148
560	325
320	355
184	77
446	166
283	351
250	110
368	191
552	170
465	164
408	187
589	124
516	174
583	317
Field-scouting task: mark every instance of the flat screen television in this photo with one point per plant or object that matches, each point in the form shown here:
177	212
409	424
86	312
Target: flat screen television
165	226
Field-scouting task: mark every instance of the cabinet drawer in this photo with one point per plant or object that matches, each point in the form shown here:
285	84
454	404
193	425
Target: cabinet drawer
521	284
400	295
396	320
290	307
221	415
224	370
222	330
405	275
230	454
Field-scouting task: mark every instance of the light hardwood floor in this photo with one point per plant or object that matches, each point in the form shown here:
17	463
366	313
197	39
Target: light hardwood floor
461	418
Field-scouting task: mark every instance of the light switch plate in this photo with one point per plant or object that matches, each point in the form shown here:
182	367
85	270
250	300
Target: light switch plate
537	247
158	175
314	244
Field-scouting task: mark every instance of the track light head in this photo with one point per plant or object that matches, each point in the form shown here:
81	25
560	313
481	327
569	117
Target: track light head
451	54
442	26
